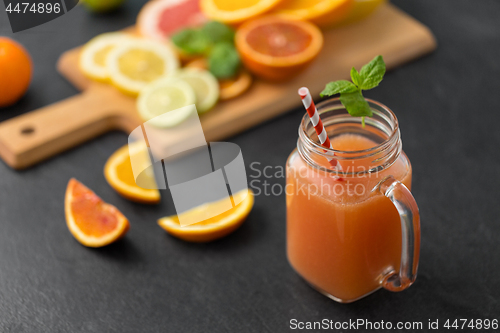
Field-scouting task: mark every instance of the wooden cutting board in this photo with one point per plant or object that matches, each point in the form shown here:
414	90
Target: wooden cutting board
30	138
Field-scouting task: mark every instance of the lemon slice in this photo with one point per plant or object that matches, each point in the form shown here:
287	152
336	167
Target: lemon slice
162	96
92	61
205	86
134	64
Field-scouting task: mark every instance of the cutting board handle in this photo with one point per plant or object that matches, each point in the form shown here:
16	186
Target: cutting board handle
35	136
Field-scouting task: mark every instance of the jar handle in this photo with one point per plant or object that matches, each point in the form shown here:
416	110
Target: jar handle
407	208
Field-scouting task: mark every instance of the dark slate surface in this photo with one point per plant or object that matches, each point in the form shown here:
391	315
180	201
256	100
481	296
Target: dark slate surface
447	104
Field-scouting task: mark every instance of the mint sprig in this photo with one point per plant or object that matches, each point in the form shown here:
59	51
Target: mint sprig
214	41
224	61
351	95
192	41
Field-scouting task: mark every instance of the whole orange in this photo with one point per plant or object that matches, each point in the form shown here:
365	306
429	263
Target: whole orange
15	71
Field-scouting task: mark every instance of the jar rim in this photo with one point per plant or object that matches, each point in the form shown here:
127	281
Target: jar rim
306	120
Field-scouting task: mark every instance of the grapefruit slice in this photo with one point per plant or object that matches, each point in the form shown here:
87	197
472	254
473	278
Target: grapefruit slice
161	18
277	48
90	220
212	228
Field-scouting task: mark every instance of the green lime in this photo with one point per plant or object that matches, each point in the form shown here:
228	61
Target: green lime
205	86
161	103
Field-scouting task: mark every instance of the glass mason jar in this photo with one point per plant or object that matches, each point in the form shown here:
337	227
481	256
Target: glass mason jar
353	231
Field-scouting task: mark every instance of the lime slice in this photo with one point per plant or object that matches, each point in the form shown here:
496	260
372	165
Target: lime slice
205	86
93	56
134	64
159	98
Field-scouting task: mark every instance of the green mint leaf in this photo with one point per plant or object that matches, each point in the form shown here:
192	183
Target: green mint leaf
350	93
372	73
192	41
224	61
218	32
356	79
338	87
356	104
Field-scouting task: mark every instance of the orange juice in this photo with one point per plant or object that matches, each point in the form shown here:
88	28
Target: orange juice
353	230
342	237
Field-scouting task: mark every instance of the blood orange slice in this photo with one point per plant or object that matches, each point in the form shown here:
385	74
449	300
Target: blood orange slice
278	48
90	220
161	18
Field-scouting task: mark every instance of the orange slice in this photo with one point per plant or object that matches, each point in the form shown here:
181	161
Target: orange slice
234	12
118	173
324	13
277	48
90	220
228	88
361	9
234	87
212	228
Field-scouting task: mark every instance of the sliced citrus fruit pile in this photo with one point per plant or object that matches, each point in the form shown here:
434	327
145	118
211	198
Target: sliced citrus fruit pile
159	19
277	48
215	227
163	96
228	88
234	12
132	65
324	13
90	220
118	173
93	56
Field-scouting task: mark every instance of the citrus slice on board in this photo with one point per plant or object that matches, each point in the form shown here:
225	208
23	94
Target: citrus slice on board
234	12
134	64
361	9
234	87
119	175
92	61
324	13
205	86
215	227
161	18
161	97
278	48
90	220
228	88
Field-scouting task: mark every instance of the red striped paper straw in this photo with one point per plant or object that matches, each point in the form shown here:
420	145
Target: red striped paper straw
318	124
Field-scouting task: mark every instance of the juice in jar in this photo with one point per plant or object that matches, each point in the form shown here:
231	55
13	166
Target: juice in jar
343	237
